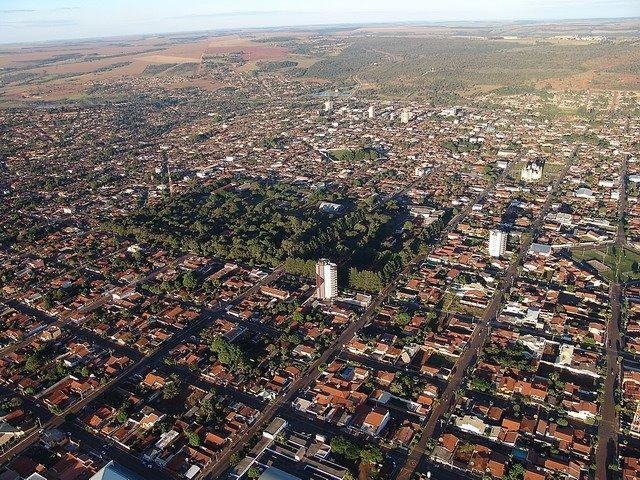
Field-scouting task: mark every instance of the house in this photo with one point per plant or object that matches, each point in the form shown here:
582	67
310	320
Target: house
471	424
154	381
375	421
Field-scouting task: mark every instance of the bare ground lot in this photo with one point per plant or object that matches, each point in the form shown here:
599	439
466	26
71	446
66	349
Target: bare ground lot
52	72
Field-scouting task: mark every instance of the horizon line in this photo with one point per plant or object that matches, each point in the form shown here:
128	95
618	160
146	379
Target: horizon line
313	27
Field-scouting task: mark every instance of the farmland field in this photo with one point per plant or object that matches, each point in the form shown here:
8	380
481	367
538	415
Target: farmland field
447	63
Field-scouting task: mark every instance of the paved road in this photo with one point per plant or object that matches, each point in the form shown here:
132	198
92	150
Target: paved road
607	449
154	358
280	404
207	314
65	319
376	364
112	451
475	344
418	180
446	472
29	404
217	470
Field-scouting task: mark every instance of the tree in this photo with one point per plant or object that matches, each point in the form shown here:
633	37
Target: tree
364	280
516	472
402	319
229	355
189	280
402	385
253	472
14	402
293	338
344	447
170	391
47	302
122	416
296	266
33	363
193	438
371	455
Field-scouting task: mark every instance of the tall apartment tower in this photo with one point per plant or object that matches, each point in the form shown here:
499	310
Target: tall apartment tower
371	112
328	106
405	116
326	279
497	243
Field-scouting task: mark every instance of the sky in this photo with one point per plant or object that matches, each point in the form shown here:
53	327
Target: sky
44	20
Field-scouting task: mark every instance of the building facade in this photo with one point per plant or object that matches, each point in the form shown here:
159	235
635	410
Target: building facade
326	279
497	243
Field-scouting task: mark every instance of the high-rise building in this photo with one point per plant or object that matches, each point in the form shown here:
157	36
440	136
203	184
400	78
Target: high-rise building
371	111
326	279
328	106
497	243
405	116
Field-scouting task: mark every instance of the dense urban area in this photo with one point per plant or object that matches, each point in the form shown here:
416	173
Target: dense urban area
283	261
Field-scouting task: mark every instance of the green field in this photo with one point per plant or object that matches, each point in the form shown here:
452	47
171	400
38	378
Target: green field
623	264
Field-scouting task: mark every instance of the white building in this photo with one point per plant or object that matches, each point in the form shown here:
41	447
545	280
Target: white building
450	112
329	207
532	171
405	116
497	243
584	192
472	424
421	171
371	112
326	279
328	106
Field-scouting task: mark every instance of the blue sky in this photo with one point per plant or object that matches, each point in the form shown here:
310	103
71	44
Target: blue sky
42	20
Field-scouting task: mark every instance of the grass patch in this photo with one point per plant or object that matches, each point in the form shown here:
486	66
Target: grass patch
621	264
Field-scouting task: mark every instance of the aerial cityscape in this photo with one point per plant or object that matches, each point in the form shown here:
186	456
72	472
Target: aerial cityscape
376	248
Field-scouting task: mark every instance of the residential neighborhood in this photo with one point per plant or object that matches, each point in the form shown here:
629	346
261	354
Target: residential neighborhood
279	280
